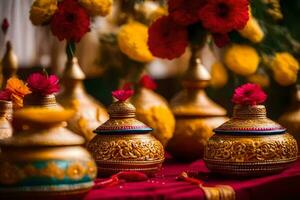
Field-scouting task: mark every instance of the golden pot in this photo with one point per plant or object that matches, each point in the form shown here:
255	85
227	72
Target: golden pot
44	158
153	110
123	143
9	64
250	144
89	112
291	118
196	115
5	115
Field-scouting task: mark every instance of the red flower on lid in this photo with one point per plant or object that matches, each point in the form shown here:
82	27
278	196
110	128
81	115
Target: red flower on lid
185	12
42	84
222	16
147	82
5	95
249	94
122	95
70	21
4	25
167	39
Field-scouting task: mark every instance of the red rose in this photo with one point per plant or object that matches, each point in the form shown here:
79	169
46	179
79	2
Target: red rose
249	94
185	12
167	39
122	95
70	21
147	82
222	16
42	84
221	39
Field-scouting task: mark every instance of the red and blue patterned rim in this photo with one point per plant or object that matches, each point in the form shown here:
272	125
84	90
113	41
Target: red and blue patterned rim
124	129
257	131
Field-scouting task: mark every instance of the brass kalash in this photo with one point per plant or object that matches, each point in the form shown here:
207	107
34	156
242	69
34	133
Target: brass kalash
43	159
89	112
123	143
250	144
196	115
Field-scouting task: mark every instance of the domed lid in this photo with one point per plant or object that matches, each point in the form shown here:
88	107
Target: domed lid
193	101
250	119
122	116
45	128
248	115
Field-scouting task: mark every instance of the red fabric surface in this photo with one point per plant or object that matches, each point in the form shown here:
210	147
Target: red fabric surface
285	185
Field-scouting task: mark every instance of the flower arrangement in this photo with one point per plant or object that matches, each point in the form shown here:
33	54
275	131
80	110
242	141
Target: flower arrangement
43	84
68	19
263	52
123	94
188	21
15	91
249	94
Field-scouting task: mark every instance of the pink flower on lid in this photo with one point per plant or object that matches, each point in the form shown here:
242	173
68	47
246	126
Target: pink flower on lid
42	84
122	95
249	94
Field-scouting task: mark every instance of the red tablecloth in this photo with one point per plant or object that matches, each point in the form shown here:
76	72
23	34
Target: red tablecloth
285	185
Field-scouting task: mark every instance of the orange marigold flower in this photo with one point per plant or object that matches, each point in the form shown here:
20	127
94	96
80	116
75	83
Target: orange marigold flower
18	90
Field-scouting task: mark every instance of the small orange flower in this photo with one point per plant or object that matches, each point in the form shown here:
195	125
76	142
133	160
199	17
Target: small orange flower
18	90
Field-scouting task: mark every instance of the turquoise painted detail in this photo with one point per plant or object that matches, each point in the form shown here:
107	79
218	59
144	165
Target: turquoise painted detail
39	180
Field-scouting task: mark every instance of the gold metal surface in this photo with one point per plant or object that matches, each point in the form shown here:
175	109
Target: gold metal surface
89	112
5	115
9	64
153	110
250	145
291	118
123	143
49	145
196	115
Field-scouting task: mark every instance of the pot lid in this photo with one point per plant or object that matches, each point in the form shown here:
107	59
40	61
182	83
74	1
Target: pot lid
250	119
122	117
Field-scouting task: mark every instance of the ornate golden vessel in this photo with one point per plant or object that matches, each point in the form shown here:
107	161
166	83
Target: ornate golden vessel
153	110
44	158
89	112
123	143
196	115
5	117
291	118
250	144
9	64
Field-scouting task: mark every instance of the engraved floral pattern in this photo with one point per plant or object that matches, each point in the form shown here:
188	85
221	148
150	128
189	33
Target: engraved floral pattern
126	149
251	149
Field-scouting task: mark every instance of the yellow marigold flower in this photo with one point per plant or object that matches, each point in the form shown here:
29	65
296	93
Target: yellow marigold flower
18	90
219	76
132	40
97	7
285	68
42	10
241	59
252	31
153	110
260	79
